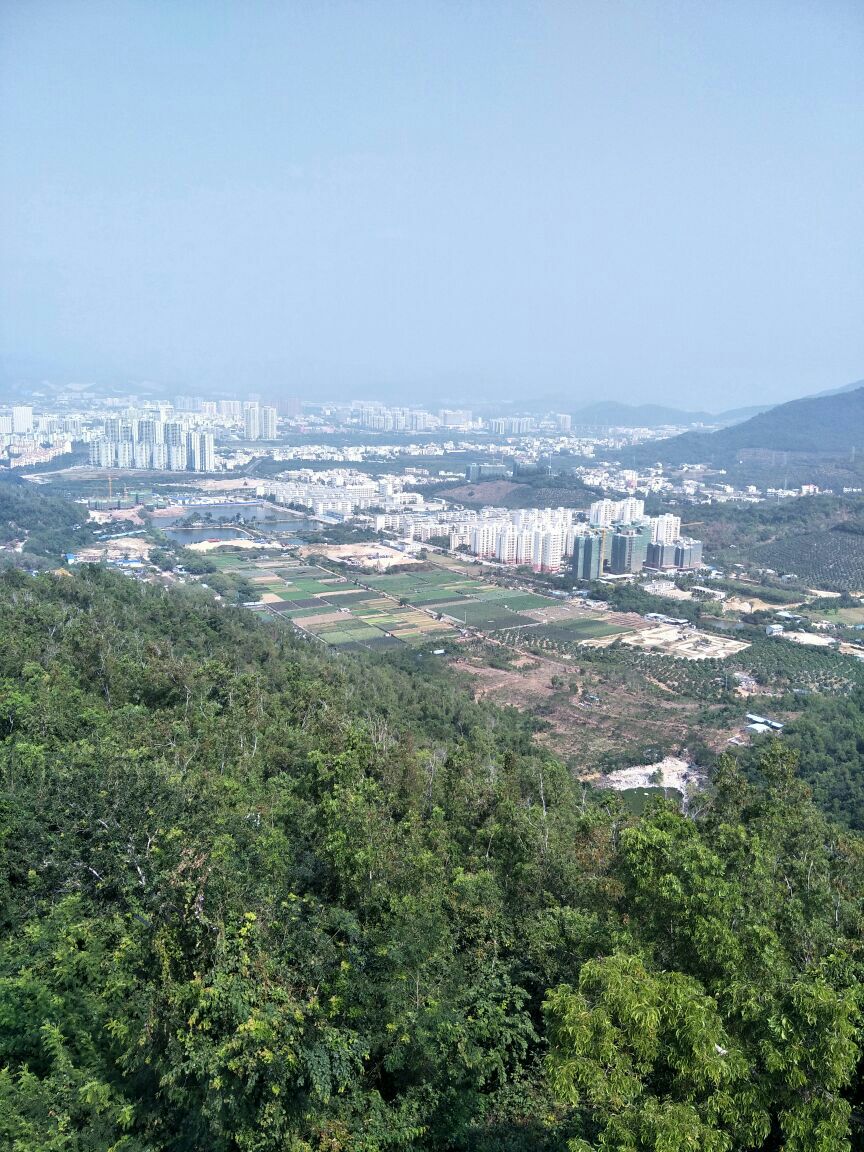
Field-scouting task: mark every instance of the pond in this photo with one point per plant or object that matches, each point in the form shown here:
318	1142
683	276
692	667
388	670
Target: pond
270	515
196	535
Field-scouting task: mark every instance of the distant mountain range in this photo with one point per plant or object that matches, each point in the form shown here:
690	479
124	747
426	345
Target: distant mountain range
831	423
611	413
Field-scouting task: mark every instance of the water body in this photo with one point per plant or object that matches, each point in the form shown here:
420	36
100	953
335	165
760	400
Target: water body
195	535
267	518
258	512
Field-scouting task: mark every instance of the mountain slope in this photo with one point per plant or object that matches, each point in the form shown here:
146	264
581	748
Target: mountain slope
739	415
846	388
832	425
256	897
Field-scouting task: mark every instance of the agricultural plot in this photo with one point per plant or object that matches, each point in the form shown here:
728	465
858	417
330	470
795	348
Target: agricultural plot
225	561
801	669
385	610
527	601
850	617
485	614
340	599
334	608
577	629
832	560
463	598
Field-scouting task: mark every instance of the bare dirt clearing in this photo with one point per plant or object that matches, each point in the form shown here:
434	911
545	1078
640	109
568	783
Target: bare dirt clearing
588	711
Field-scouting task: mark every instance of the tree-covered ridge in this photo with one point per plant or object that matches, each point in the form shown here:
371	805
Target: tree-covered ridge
45	524
830	424
254	897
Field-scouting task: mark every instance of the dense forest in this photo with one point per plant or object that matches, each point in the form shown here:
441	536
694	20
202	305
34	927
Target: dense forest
45	524
256	896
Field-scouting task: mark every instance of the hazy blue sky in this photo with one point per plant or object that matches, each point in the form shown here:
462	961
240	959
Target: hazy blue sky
639	201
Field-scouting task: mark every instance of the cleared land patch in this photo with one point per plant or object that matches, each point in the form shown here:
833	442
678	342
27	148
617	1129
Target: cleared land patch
685	643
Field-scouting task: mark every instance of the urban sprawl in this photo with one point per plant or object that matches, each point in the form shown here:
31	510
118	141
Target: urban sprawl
614	536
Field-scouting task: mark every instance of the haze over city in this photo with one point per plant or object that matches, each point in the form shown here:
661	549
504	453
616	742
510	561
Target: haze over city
630	201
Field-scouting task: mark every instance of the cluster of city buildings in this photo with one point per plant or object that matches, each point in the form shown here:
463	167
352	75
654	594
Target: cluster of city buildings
615	538
619	540
377	418
153	444
27	440
382	418
197	433
259	420
177	438
627	540
342	493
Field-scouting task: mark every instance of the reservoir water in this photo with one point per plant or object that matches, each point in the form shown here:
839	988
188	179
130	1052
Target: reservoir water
219	521
259	512
195	535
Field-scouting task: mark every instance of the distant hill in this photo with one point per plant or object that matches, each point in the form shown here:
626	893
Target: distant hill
837	391
831	424
737	415
610	412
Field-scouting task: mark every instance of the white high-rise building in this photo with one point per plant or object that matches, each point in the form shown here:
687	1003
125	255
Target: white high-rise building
252	418
193	453
101	453
141	454
207	452
601	513
630	510
151	431
525	547
267	428
200	452
506	545
176	457
22	419
483	539
665	529
552	551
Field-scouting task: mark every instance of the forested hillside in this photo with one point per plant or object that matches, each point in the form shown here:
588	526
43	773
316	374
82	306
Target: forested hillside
257	898
831	424
44	524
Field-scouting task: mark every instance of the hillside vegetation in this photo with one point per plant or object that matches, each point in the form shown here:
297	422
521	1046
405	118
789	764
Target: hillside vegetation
832	560
830	425
46	525
255	897
818	538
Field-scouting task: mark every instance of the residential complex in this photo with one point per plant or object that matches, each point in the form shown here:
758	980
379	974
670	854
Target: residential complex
153	444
